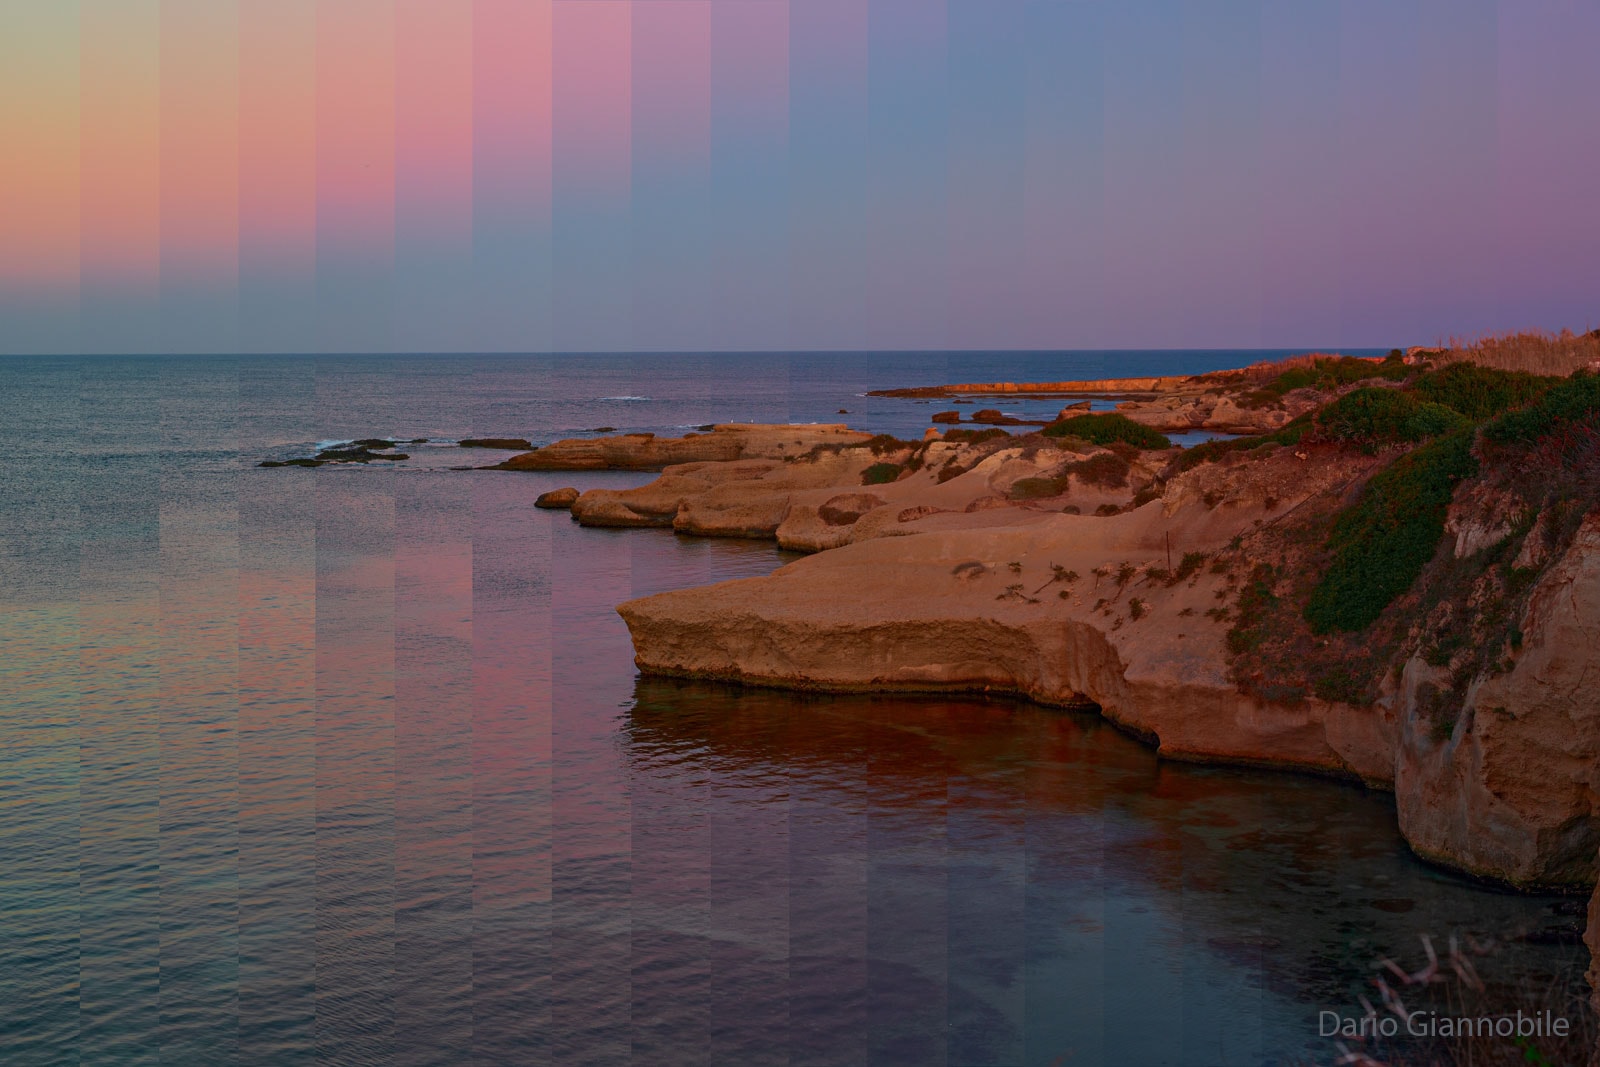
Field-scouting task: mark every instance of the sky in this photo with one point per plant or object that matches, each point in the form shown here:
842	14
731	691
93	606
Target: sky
669	175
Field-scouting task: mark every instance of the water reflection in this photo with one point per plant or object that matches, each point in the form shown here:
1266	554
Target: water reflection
985	882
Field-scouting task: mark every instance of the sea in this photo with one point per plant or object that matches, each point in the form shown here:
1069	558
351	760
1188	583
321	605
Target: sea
352	765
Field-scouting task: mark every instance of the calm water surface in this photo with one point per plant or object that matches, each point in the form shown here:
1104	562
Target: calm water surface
352	766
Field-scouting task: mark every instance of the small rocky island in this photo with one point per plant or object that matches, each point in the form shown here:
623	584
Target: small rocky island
1395	580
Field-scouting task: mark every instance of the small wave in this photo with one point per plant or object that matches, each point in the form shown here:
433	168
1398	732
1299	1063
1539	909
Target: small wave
629	398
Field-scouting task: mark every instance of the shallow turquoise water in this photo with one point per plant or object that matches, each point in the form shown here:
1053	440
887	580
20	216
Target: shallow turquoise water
352	766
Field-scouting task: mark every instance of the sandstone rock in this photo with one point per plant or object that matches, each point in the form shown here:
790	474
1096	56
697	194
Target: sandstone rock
1514	792
557	498
643	451
846	508
932	612
947	416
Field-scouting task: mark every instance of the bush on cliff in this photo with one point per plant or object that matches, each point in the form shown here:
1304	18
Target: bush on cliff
1372	417
1382	542
1325	373
1480	392
1105	428
1574	401
975	437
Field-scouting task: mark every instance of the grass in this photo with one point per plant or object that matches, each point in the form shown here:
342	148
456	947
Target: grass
1532	352
1381	543
1106	428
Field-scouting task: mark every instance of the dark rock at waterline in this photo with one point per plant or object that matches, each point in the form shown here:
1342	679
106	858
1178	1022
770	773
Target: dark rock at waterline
291	462
557	498
514	444
947	416
844	411
357	454
604	429
993	417
371	443
1569	932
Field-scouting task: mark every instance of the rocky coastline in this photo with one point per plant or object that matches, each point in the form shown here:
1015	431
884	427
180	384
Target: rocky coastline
1079	573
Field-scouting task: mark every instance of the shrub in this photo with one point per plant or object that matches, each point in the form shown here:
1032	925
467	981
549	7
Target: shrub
1370	417
1038	488
1190	564
888	442
1325	373
880	473
1105	469
1480	392
1338	684
1577	399
1105	428
975	437
1381	543
1136	609
1256	600
1211	451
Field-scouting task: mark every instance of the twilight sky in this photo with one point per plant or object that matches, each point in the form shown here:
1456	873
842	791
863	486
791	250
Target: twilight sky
534	175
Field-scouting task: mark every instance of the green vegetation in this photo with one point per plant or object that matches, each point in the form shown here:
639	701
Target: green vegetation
1381	543
1326	374
1105	469
885	443
1372	417
1189	565
1480	392
1211	451
1256	600
881	473
1106	428
975	437
1038	488
1574	400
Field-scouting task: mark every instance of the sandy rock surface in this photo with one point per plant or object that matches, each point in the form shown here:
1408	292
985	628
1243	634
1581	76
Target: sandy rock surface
642	451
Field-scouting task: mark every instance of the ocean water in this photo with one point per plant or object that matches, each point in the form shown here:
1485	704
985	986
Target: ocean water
352	765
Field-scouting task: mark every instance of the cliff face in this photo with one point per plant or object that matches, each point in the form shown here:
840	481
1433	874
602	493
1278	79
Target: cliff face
1513	791
977	591
939	611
